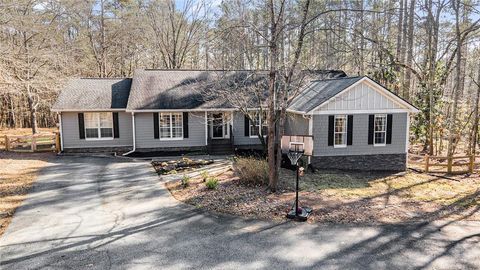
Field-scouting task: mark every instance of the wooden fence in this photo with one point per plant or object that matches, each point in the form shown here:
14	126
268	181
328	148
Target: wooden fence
467	164
31	143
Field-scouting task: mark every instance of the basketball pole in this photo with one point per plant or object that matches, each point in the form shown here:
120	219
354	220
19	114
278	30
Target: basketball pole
296	195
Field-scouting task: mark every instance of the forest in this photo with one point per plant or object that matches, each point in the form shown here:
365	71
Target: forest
426	51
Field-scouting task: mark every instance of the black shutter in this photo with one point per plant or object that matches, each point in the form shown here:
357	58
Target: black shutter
389	129
116	131
81	126
156	134
246	126
185	125
371	123
350	130
331	127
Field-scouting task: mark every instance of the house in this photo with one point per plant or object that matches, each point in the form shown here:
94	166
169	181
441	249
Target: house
356	122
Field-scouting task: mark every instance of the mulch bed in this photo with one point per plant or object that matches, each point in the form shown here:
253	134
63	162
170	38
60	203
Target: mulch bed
233	197
175	166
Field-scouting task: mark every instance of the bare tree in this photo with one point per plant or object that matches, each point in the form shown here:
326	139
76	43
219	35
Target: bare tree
176	31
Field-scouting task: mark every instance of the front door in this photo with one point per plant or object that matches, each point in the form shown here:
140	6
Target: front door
217	125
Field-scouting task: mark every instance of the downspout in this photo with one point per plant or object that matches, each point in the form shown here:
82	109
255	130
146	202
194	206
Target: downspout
133	136
61	130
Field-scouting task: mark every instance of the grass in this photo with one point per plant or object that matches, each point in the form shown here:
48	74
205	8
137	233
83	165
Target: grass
409	185
17	174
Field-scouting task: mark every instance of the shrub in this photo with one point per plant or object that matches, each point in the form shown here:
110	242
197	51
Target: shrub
251	170
212	183
204	175
185	181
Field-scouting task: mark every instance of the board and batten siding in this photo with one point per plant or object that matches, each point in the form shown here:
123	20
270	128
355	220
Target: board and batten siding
362	96
360	144
144	135
71	136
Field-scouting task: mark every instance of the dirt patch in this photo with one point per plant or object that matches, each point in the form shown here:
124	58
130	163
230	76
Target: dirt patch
343	197
17	174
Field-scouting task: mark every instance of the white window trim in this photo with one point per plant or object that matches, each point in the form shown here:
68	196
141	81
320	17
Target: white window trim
374	132
99	138
260	127
344	145
171	127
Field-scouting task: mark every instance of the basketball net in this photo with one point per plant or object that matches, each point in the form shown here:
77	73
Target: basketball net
294	156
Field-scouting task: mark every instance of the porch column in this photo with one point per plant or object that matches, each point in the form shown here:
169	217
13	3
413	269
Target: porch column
206	128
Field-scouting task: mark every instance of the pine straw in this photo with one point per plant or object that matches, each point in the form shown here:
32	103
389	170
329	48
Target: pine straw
17	174
339	197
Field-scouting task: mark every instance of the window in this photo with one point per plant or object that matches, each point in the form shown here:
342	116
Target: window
259	124
380	133
340	131
171	126
99	125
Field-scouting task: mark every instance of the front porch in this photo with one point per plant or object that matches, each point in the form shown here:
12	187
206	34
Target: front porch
219	132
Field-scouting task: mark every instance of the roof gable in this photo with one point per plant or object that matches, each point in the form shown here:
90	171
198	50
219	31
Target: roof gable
365	95
319	92
349	94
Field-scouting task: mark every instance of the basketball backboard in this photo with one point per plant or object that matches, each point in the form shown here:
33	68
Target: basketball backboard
297	143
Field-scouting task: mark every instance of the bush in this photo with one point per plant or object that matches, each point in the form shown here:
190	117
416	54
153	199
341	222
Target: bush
204	175
251	171
185	181
212	183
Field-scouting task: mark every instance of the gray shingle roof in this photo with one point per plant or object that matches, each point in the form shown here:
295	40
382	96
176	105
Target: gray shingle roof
184	89
319	92
94	94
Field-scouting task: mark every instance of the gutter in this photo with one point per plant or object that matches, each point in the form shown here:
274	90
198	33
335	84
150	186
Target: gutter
133	136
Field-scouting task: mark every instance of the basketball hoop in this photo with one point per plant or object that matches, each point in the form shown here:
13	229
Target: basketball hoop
294	156
295	147
295	151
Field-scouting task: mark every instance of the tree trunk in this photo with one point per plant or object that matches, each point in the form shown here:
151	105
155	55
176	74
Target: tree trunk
408	73
33	110
476	119
273	48
399	30
458	83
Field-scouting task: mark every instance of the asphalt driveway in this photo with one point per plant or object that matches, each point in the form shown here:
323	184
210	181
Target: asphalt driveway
103	213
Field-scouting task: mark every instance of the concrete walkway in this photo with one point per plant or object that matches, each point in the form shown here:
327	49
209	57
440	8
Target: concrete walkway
104	213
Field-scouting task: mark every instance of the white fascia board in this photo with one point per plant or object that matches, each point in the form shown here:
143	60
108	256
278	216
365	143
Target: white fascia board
362	111
296	112
392	96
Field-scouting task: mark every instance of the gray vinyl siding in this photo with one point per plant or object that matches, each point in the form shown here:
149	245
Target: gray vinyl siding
71	136
144	135
239	137
360	144
296	124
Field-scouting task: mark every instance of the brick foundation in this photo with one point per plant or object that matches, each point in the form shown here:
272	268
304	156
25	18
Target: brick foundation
383	162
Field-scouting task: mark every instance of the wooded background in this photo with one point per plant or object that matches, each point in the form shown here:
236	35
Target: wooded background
426	51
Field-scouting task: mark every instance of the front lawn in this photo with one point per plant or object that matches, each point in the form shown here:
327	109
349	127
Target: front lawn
343	197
